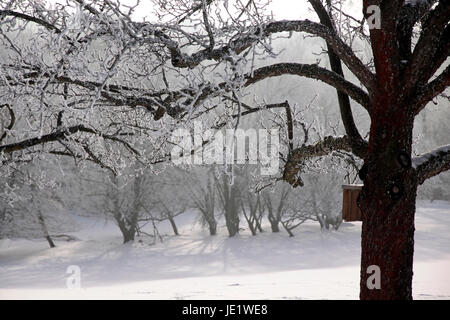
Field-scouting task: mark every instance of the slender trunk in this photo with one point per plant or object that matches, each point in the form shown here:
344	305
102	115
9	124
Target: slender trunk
212	227
251	219
174	226
231	208
252	227
274	221
288	230
258	224
45	230
387	203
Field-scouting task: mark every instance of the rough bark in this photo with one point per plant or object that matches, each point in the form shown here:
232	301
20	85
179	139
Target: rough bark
128	231
387	202
274	225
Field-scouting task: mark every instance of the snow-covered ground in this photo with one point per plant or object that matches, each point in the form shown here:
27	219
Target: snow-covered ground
312	265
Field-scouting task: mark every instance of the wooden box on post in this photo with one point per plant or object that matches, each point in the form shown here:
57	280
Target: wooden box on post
350	209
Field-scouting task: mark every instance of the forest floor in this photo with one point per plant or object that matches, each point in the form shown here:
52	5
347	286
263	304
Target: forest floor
311	265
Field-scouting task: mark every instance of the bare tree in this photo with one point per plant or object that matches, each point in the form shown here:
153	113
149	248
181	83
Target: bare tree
321	198
203	196
124	212
169	205
294	218
32	206
253	213
276	203
125	198
229	196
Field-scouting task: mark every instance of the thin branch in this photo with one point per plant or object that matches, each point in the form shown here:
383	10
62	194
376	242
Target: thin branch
194	10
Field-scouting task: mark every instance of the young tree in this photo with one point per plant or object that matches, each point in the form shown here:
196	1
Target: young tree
276	203
202	195
252	210
320	197
56	80
123	202
230	197
170	201
125	198
33	206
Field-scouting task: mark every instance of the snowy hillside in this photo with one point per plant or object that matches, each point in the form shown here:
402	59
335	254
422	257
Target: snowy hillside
312	265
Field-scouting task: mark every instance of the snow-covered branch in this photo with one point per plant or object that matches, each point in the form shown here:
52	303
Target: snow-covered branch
319	149
433	88
56	136
245	40
315	72
359	145
432	163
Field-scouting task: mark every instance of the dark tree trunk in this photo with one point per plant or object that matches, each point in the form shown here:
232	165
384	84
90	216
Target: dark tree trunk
128	235
128	230
231	198
50	242
258	225
274	221
288	230
387	203
232	223
212	225
174	226
321	221
274	225
45	230
252	228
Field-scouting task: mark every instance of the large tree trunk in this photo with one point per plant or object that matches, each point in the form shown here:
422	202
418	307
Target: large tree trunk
128	230
232	221
231	198
128	235
274	224
212	225
387	202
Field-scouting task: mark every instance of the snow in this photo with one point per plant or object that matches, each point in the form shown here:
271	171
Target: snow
312	265
417	161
